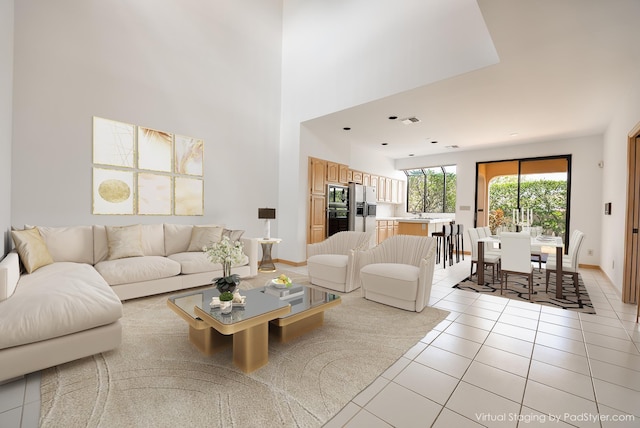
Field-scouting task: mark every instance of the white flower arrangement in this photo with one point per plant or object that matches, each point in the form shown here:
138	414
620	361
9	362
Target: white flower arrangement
226	253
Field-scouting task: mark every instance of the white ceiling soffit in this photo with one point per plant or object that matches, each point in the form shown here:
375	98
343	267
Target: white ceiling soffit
563	64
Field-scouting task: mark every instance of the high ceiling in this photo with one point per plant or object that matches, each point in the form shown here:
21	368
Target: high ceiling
564	64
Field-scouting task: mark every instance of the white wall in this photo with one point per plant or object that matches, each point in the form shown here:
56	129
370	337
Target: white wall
615	185
6	115
586	181
341	54
204	69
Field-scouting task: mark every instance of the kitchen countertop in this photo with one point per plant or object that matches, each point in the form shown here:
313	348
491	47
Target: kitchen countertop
416	220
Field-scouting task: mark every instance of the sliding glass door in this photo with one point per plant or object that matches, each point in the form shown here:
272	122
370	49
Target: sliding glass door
532	192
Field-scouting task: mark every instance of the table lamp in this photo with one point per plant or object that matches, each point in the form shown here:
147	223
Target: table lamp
267	214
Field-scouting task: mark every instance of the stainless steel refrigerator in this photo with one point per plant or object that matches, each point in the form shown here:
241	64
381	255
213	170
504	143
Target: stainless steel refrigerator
362	208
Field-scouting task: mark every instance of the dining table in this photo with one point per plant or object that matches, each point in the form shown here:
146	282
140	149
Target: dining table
536	242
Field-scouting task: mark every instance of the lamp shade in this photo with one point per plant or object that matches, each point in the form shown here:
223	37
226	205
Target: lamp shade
267	213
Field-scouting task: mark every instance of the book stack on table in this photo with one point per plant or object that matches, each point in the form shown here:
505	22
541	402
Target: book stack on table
284	293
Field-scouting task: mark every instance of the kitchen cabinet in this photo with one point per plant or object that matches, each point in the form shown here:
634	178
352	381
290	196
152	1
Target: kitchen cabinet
382	231
386	229
388	190
356	177
382	189
366	179
318	218
317	173
343	174
333	172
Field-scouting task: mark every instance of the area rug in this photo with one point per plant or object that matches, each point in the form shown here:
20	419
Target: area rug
517	288
156	378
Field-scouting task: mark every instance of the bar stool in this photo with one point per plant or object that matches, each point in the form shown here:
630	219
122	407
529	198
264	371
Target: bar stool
444	242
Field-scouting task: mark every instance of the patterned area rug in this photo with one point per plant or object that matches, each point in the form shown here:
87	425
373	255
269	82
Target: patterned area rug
517	288
156	378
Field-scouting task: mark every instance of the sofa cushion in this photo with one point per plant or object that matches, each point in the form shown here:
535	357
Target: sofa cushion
137	269
124	241
233	235
177	237
56	300
31	248
193	262
152	241
203	236
69	244
391	279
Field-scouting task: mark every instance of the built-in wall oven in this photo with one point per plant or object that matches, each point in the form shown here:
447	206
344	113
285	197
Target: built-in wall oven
337	209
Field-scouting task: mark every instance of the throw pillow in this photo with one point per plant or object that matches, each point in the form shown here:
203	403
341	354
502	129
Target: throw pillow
31	248
124	241
233	235
201	236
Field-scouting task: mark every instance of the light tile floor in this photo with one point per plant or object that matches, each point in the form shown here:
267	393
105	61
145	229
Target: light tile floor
500	362
492	362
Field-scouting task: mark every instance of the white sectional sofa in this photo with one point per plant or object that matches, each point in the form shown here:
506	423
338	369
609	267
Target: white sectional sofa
70	307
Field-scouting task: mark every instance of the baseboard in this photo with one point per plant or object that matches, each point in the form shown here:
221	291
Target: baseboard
290	263
582	266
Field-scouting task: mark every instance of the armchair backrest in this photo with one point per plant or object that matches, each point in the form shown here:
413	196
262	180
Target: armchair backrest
405	249
342	243
516	252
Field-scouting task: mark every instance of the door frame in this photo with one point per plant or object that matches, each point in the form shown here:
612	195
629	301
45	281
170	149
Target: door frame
631	272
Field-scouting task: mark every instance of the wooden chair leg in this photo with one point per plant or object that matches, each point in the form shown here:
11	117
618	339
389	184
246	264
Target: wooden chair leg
575	284
530	285
546	289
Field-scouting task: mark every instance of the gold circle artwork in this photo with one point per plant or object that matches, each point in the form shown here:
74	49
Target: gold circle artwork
114	191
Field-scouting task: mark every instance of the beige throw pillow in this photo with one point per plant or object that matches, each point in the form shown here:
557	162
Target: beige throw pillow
31	248
202	236
124	241
233	235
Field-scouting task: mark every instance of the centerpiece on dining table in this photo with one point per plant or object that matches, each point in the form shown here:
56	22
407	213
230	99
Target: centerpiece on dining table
227	254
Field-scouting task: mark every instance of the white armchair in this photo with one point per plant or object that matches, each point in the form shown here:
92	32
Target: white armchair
399	271
331	263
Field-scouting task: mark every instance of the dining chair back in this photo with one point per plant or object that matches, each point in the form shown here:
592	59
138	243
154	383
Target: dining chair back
516	257
489	258
570	264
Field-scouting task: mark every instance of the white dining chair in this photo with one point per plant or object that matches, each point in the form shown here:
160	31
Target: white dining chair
516	258
570	263
490	258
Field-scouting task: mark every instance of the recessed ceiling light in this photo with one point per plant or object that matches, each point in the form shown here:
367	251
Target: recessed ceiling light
384	144
346	128
434	142
393	117
514	134
454	146
411	154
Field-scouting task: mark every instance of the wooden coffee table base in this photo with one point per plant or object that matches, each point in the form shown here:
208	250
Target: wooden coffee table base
250	346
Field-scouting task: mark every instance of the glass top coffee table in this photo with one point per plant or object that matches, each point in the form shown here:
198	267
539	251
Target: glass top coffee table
247	326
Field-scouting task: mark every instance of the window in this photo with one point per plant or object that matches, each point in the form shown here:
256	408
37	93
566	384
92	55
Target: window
431	190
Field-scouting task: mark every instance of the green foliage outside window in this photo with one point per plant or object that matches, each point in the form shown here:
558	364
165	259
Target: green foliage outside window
431	190
546	198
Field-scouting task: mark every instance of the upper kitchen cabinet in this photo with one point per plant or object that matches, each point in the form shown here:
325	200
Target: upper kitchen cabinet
317	173
343	171
333	172
356	177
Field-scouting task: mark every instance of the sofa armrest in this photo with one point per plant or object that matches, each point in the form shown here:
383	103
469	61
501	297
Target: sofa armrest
251	250
9	275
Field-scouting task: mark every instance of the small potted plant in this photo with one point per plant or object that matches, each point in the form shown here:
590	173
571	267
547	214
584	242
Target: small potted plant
226	302
228	254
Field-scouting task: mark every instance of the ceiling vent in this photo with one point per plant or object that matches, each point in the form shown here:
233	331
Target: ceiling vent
410	120
453	147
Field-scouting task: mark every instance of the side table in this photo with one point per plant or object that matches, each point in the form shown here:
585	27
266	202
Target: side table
266	264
